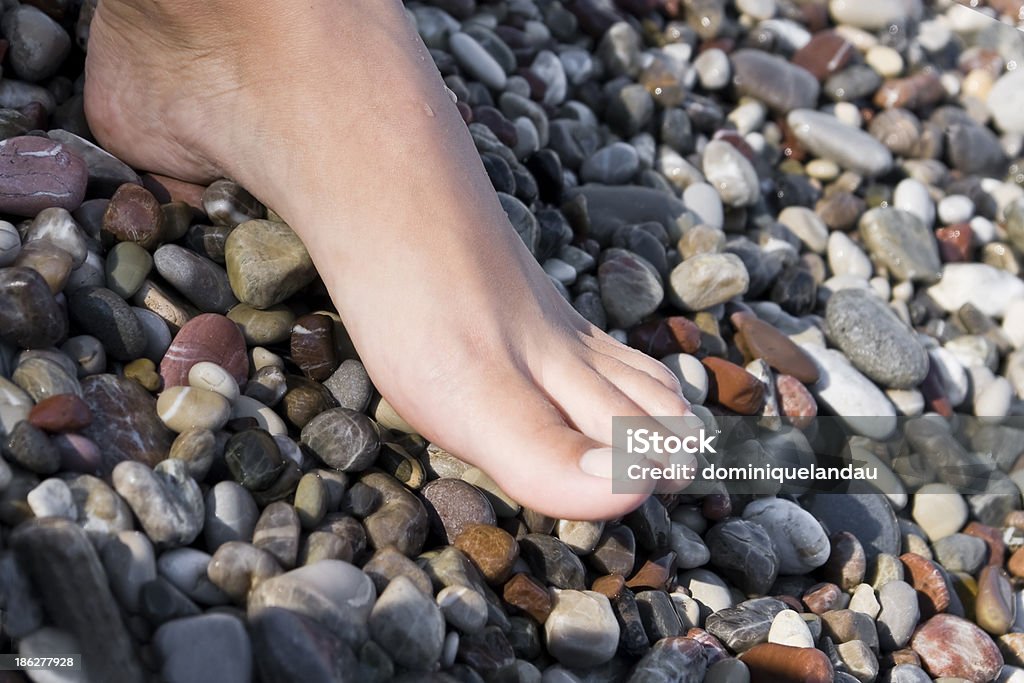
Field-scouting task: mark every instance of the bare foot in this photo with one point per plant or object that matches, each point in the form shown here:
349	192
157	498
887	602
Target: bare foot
333	114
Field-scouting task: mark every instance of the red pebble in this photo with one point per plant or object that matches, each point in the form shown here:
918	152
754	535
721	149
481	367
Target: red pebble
60	413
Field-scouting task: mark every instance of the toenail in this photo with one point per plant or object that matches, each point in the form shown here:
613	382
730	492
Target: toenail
598	462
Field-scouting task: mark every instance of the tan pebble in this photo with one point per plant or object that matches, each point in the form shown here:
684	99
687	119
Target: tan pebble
262	358
185	408
143	371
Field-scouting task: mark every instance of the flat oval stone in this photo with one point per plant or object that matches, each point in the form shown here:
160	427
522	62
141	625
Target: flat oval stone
758	339
742	627
343	438
786	664
231	515
277	531
215	645
954	647
29	447
705	280
124	421
995	605
776	82
733	387
850	395
409	625
207	337
798	539
133	215
825	54
902	243
106	316
199	279
61	413
743	552
212	377
29	315
933	594
476	60
50	261
630	290
254	459
829	138
875	340
38	173
184	409
266	263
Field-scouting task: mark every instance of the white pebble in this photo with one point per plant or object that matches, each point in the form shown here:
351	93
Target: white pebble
865	601
846	258
52	498
212	377
703	200
952	375
713	69
245	406
1013	322
994	400
10	243
912	195
848	113
560	270
983	230
885	60
758	9
789	628
939	510
748	117
956	208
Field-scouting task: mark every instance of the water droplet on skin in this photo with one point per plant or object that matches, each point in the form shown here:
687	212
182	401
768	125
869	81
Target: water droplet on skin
427	110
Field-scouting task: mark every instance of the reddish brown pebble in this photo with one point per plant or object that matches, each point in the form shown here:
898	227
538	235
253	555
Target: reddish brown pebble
955	648
822	597
1015	519
825	54
927	580
923	89
172	190
210	337
794	603
37	173
654	574
1016	563
795	402
757	339
955	242
61	413
610	585
771	663
733	387
133	215
524	593
312	346
993	539
660	338
716	506
491	549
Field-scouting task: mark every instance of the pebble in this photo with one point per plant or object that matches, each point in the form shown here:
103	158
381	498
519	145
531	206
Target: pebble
294	647
58	553
734	387
552	561
939	510
713	69
851	395
675	658
333	593
166	501
227	203
127	265
875	340
57	227
988	289
38	174
266	263
933	593
52	498
10	243
758	339
401	519
706	280
124	421
263	327
106	316
231	515
730	173
630	289
187	408
829	138
343	438
743	552
207	337
106	172
201	281
408	624
995	607
953	647
208	647
133	215
38	44
50	261
742	627
581	629
692	376
798	539
277	531
453	505
476	60
773	80
29	315
900	241
786	664
960	553
703	200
